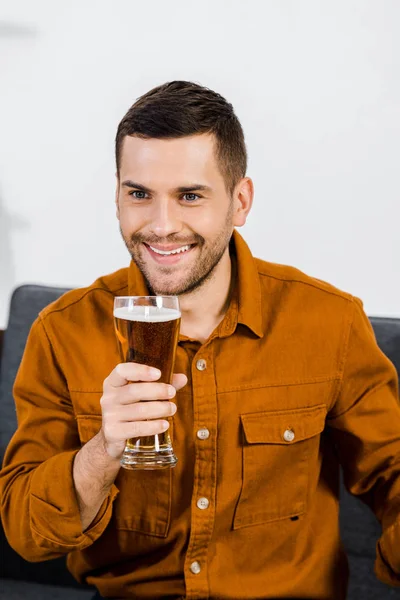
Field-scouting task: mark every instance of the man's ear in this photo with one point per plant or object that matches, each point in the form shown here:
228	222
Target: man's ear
243	201
117	195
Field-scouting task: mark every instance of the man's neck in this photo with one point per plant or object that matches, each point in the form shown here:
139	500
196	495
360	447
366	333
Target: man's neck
203	309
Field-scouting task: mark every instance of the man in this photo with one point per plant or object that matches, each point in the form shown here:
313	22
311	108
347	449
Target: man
278	380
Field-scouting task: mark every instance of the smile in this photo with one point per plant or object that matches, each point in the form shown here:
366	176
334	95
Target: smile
170	252
172	256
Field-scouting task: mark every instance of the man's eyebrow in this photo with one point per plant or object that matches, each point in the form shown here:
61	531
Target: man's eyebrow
195	187
137	186
199	187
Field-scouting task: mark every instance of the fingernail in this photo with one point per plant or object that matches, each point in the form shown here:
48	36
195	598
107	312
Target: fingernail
155	372
171	391
164	425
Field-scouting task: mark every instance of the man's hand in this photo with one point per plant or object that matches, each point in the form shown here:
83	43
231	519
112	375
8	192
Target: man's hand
135	405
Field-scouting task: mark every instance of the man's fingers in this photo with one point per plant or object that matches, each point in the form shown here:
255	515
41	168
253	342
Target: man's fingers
124	415
134	392
179	380
126	372
141	411
139	429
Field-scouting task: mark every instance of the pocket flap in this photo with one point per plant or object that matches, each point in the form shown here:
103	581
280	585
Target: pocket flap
283	427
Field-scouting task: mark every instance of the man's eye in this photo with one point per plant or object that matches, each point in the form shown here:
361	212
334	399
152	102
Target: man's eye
190	197
138	194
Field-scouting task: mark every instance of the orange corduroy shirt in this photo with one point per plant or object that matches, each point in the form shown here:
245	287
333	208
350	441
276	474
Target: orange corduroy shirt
290	383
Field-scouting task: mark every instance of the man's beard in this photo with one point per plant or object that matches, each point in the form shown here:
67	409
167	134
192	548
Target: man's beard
201	272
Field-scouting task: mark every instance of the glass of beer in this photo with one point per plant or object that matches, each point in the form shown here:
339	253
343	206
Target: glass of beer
147	329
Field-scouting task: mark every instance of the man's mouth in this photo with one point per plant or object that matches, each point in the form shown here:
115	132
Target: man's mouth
171	252
169	255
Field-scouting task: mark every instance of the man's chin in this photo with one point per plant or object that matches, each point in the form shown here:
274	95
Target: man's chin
171	289
163	288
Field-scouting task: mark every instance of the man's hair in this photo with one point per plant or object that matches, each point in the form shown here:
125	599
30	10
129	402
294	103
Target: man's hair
181	108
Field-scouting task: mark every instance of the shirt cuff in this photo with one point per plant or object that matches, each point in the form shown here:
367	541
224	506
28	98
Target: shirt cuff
54	511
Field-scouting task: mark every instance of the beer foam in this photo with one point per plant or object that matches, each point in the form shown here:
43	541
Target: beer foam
147	314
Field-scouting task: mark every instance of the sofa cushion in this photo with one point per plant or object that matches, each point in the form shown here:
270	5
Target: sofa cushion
387	332
24	590
363	585
26	303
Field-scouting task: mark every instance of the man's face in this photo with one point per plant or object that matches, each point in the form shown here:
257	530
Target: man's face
176	216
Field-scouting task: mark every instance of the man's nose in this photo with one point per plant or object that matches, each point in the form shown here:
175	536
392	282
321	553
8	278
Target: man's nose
165	219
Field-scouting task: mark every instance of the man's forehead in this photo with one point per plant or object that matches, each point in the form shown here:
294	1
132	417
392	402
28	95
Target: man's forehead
170	162
194	148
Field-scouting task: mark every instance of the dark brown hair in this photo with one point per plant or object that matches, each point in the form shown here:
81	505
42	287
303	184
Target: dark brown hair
180	108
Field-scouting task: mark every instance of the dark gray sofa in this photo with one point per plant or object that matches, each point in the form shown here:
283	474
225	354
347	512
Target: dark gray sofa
23	580
19	579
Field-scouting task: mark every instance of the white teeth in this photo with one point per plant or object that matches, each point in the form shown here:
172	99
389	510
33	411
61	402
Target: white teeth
177	251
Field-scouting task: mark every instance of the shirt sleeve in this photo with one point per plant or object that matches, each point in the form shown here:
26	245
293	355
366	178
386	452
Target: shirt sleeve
365	424
39	507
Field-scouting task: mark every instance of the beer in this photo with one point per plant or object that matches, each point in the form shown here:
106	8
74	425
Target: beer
148	335
149	339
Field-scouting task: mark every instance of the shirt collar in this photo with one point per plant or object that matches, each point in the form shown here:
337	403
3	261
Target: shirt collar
246	302
248	295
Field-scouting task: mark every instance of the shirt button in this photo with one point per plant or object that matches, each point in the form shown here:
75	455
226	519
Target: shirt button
195	567
203	434
203	503
201	364
288	436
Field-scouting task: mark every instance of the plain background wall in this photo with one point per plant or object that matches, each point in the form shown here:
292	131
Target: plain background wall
315	84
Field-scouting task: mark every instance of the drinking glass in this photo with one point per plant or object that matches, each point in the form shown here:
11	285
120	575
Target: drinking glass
147	329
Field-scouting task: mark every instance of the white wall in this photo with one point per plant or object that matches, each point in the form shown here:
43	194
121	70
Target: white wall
315	84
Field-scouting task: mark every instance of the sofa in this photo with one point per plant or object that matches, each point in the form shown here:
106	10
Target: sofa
22	580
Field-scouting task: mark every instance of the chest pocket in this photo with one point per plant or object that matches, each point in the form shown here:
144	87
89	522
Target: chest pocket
279	450
144	500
